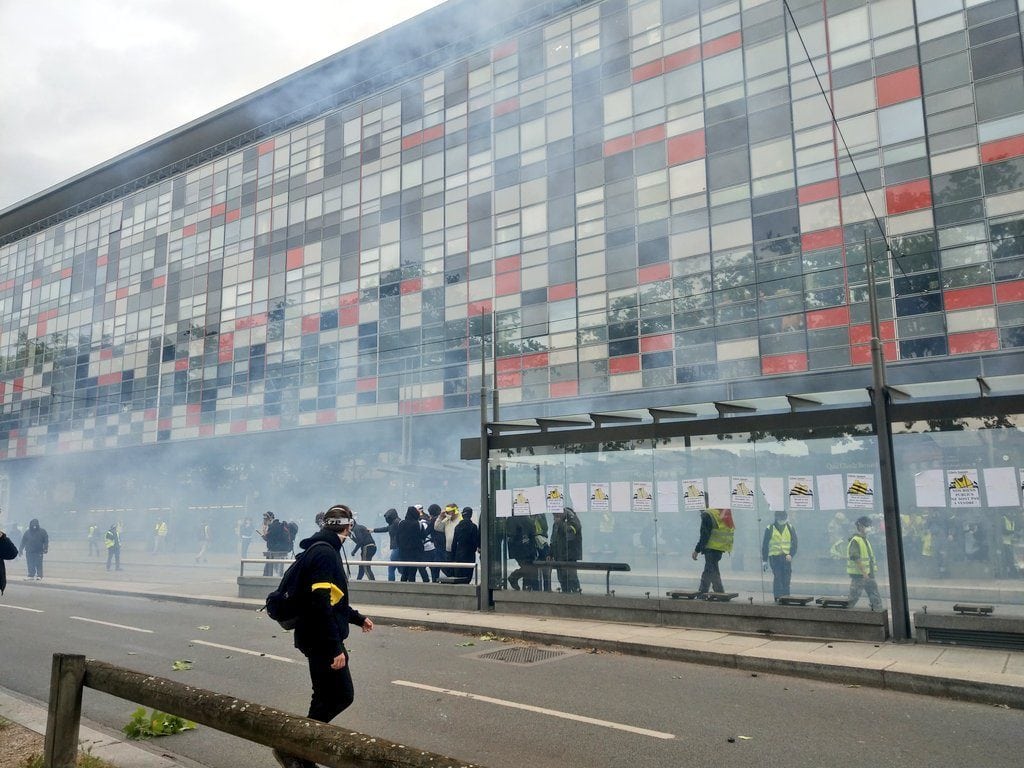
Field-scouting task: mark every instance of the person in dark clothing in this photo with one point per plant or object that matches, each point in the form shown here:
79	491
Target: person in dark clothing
567	545
391	528
35	543
365	549
438	541
279	542
778	548
410	542
323	623
465	544
717	532
528	544
8	551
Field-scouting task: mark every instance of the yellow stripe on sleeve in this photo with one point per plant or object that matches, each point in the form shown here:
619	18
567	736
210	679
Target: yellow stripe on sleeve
336	593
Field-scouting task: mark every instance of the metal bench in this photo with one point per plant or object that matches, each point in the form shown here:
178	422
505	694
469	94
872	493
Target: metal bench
833	602
975	610
587	565
794	599
716	597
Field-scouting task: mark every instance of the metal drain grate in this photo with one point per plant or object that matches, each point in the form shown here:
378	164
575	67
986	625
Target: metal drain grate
522	654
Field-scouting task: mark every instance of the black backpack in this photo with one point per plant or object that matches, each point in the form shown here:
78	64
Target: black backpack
284	604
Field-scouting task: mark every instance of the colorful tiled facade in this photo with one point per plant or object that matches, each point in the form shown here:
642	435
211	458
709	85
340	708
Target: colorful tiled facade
647	195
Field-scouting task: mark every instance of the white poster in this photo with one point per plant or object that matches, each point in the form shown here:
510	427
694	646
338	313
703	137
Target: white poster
528	501
771	487
600	497
694	498
860	491
718	492
503	503
668	496
554	498
964	490
831	494
643	496
621	496
930	488
800	489
741	493
579	496
1001	486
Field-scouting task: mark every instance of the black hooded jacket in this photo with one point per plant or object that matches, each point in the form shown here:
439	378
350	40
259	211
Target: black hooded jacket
35	540
323	623
391	518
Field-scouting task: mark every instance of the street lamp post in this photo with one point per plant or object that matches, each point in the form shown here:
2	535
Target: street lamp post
886	465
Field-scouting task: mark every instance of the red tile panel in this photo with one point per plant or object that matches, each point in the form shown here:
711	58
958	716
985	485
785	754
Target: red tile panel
218	209
1010	291
823	190
433	132
188	230
861	334
563	291
649	70
536	360
109	378
654	273
232	215
505	49
513	363
828	318
911	196
1002	149
294	259
686	147
181	364
510	379
964	298
506	106
973	341
895	87
657	343
207	430
266	146
476	308
649	135
624	364
796	361
159	281
825	238
367	384
615	146
507	264
411	285
326	417
310	324
226	348
252	321
348	316
721	45
271	423
238	427
683	58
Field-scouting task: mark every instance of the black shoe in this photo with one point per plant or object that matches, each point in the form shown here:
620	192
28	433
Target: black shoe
514	584
291	761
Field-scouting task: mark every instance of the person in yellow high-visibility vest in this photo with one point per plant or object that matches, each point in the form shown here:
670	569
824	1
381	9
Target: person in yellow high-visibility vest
860	565
717	531
778	548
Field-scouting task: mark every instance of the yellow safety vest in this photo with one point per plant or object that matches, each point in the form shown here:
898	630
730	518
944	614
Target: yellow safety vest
161	529
1008	528
781	542
723	532
853	567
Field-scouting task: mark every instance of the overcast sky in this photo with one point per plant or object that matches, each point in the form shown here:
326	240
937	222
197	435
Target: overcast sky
82	81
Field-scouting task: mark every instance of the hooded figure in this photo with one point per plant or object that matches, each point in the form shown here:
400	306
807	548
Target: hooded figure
410	542
391	528
35	543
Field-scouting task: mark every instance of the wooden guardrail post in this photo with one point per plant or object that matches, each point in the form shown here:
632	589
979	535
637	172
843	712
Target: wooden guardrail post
67	677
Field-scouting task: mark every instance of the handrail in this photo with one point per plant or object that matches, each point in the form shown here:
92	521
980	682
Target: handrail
308	739
369	563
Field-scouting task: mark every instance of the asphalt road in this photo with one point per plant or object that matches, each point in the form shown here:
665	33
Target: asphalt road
575	709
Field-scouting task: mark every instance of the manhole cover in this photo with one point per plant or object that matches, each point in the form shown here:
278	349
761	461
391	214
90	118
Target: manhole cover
522	654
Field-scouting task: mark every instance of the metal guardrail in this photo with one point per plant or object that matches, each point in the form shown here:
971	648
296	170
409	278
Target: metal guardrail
309	739
285	562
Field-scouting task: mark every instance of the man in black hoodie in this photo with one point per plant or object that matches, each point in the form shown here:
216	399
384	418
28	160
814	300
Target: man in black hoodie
323	622
35	543
391	528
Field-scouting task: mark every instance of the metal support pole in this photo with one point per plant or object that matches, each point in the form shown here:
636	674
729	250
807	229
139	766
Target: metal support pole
886	466
67	677
483	591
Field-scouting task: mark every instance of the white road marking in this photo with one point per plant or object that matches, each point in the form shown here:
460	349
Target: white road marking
539	710
243	650
19	608
110	624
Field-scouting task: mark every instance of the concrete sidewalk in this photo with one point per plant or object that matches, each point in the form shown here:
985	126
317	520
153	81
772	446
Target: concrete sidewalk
970	674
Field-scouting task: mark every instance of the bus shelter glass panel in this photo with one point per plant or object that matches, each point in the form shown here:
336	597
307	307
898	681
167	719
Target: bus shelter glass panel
959	484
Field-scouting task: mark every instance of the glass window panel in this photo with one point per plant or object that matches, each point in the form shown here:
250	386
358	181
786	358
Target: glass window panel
901	122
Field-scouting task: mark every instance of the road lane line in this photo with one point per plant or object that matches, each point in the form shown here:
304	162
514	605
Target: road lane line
19	608
110	624
243	650
539	710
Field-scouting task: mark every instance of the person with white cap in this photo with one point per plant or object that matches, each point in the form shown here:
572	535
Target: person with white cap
323	623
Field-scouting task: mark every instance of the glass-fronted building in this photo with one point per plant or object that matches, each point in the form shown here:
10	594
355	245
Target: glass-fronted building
644	204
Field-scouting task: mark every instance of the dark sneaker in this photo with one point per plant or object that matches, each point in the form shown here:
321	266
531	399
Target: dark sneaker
291	761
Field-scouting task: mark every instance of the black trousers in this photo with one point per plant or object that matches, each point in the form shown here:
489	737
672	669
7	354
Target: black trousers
332	688
782	573
711	576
